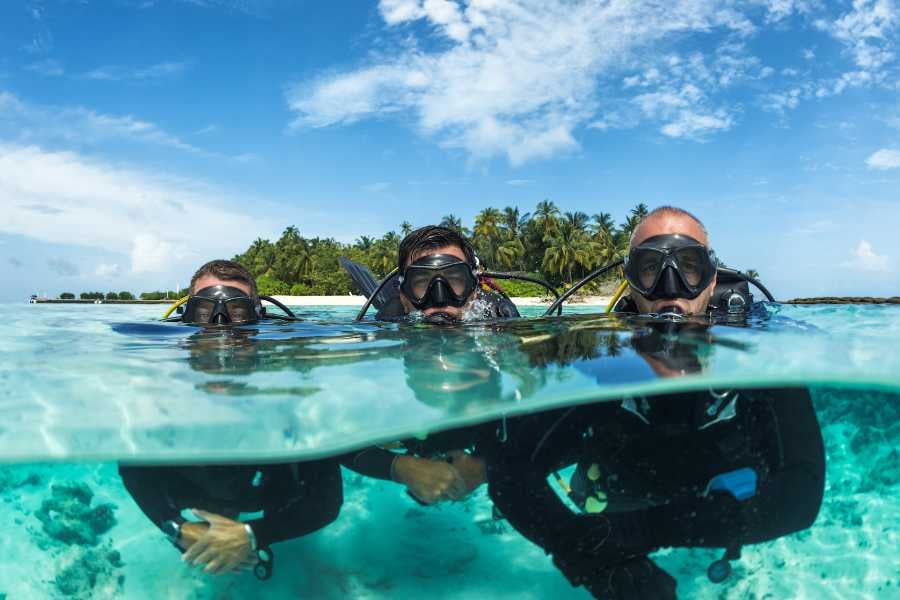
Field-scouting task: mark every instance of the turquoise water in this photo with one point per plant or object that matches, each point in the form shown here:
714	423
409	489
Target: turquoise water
85	386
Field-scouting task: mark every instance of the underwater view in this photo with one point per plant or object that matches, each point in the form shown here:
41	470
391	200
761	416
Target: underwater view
155	395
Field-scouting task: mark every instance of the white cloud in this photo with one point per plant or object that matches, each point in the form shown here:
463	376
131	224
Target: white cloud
884	159
118	73
48	68
30	122
104	270
519	182
868	32
163	224
517	78
378	186
864	258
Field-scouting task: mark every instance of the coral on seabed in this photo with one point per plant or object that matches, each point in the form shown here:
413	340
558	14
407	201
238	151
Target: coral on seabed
69	518
87	566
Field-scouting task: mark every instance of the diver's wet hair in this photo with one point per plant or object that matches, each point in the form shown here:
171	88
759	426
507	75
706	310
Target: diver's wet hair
432	237
227	270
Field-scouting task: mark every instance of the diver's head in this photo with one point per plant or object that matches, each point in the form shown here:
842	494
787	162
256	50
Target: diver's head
222	292
670	267
437	273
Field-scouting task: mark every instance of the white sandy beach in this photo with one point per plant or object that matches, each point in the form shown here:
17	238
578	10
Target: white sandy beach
353	300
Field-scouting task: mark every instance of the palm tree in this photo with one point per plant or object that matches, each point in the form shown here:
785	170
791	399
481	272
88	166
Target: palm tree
577	220
546	216
406	227
487	233
752	274
603	226
510	252
453	222
570	248
513	220
364	243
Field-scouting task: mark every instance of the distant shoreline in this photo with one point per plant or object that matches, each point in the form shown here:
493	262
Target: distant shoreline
348	300
355	300
77	301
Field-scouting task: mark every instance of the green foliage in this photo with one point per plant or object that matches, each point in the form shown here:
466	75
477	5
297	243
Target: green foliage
271	286
112	296
92	295
522	288
555	246
126	296
67	296
169	295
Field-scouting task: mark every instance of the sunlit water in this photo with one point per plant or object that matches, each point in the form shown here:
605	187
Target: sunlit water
85	386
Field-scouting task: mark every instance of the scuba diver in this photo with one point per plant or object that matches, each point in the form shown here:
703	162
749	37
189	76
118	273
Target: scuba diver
223	292
440	278
710	468
200	507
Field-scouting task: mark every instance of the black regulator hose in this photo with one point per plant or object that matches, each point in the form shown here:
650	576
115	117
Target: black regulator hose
365	307
557	305
527	278
290	315
759	286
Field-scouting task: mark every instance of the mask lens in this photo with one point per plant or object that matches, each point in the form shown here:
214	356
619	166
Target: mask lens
417	282
203	310
647	265
239	310
692	263
458	279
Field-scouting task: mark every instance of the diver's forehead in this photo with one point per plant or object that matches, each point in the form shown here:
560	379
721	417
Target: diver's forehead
667	224
450	250
211	280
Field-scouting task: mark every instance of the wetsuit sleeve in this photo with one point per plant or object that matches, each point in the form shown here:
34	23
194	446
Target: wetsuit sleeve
147	487
310	500
372	462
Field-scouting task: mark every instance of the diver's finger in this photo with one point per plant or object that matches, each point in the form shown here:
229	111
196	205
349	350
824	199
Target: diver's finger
213	567
457	488
206	556
196	548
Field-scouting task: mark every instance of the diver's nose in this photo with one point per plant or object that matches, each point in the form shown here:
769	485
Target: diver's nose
669	286
440	296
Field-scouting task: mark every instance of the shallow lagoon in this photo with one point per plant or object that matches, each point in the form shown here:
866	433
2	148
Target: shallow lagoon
80	387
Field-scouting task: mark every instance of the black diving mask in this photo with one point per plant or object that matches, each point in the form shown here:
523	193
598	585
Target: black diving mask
670	266
438	280
219	305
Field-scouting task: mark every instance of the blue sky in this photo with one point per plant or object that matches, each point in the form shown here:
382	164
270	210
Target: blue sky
139	138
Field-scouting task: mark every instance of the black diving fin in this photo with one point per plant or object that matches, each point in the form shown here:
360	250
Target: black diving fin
367	284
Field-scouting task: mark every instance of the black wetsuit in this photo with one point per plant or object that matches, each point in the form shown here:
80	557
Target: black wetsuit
496	306
295	498
654	460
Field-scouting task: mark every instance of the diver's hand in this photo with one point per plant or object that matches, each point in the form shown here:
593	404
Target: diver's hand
471	468
429	480
190	533
223	547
